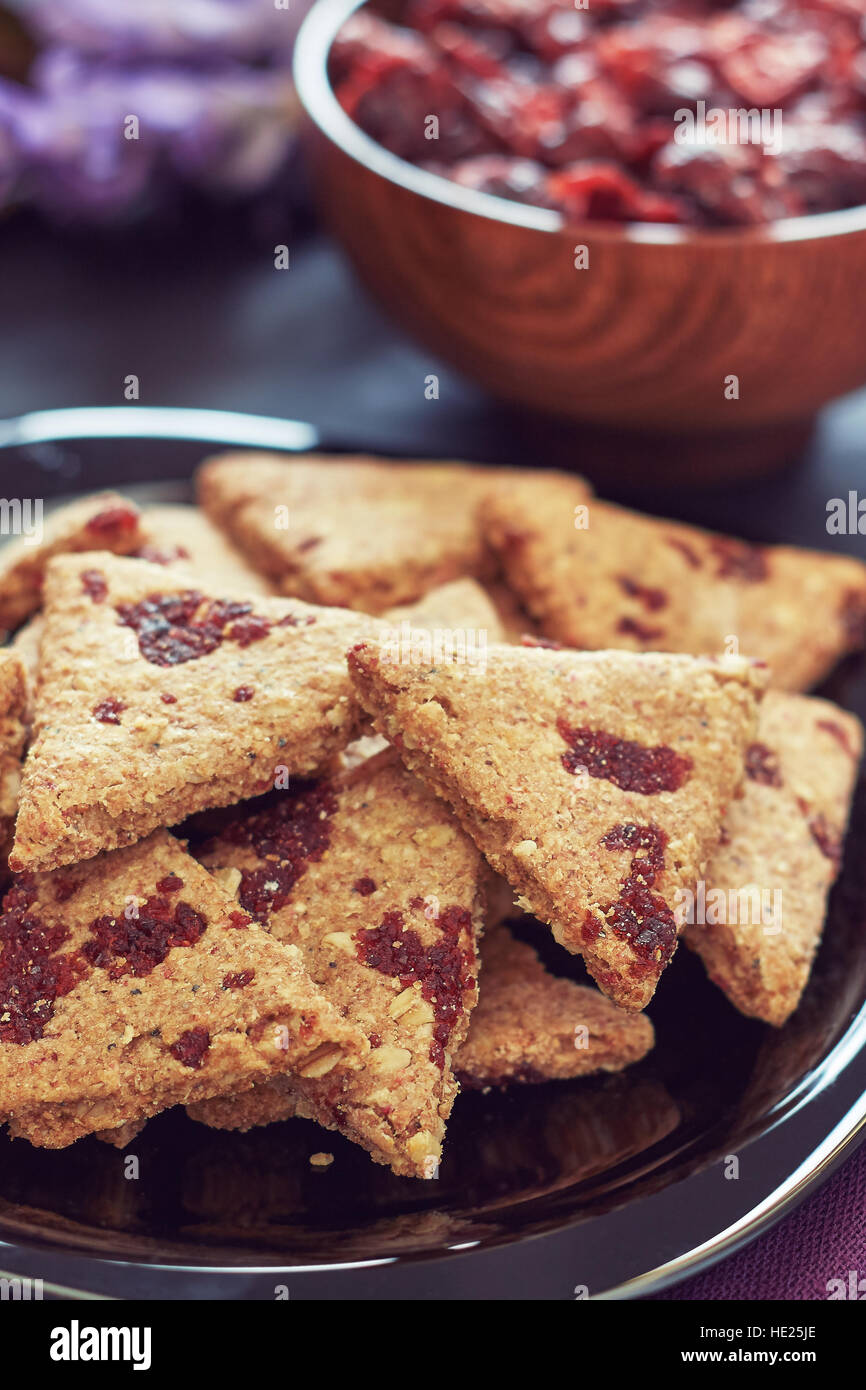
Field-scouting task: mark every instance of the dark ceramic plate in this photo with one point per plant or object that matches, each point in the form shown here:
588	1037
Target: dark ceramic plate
617	1184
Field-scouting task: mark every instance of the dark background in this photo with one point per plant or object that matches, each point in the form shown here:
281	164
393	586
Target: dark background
201	316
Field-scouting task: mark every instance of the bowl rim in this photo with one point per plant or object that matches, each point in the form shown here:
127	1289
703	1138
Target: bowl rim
312	83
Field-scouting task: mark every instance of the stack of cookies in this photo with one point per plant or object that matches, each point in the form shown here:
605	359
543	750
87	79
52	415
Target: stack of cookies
271	767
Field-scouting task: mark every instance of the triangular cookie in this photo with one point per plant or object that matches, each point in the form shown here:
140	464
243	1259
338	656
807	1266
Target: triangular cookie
132	983
182	535
594	782
598	576
156	699
370	876
105	521
359	532
779	855
530	1025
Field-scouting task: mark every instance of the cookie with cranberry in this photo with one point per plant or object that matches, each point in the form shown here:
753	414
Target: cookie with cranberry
356	532
759	921
158	698
104	521
183	535
372	879
530	1025
595	782
132	983
598	576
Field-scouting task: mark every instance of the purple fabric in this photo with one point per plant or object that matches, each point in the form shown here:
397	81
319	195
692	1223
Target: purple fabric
822	1240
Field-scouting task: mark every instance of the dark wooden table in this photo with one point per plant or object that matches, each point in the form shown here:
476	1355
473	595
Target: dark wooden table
203	319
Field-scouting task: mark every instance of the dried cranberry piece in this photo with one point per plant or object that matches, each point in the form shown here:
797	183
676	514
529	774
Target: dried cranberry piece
113	520
633	767
638	914
175	628
839	733
191	1047
443	969
603	191
688	552
769	70
652	599
633	627
108	711
286	830
136	943
34	973
762	765
736	560
238	979
94	585
249	630
172	883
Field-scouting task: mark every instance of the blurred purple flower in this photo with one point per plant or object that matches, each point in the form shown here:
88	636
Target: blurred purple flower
192	30
122	109
228	130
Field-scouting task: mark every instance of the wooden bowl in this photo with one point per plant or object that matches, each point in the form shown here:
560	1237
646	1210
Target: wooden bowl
645	338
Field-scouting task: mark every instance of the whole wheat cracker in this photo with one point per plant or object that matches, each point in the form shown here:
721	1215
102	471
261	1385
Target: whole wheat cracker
122	744
370	876
595	783
597	576
132	982
103	521
361	532
780	852
530	1025
179	534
